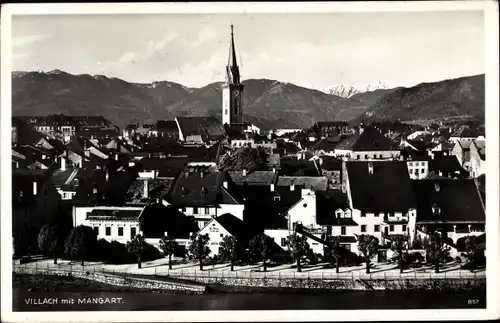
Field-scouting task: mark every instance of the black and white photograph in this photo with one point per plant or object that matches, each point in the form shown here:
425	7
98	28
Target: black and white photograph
249	161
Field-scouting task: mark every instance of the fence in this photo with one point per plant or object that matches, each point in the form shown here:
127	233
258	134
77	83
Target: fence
193	274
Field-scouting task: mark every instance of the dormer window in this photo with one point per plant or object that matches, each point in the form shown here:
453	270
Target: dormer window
436	210
277	198
203	191
183	191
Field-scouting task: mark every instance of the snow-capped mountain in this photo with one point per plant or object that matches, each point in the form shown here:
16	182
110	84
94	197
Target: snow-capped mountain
346	91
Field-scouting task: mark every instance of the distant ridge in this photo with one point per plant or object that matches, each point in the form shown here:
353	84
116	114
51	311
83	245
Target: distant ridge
267	103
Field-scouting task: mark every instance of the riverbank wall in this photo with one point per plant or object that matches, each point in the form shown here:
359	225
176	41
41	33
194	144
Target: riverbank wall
120	280
346	284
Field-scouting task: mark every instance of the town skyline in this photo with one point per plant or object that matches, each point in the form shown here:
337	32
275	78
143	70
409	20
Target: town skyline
158	51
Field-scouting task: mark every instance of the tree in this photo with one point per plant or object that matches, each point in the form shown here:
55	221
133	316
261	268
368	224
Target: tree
260	248
333	245
244	158
436	250
80	243
298	246
49	241
368	246
471	251
137	246
199	248
399	245
168	245
417	243
228	249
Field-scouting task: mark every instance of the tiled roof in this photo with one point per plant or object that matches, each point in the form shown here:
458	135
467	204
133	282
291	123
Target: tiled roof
191	189
325	144
119	215
156	219
465	132
458	200
22	181
209	128
369	140
232	224
254	178
319	183
64	177
166	126
331	163
446	164
389	188
157	188
326	205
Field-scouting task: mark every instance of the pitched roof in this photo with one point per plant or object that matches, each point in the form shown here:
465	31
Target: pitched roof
261	178
325	144
156	219
117	215
157	188
446	164
165	126
326	205
64	177
458	200
369	139
232	224
389	188
22	185
191	189
465	132
209	128
319	183
330	163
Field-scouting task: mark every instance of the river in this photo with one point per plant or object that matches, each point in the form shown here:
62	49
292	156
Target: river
342	300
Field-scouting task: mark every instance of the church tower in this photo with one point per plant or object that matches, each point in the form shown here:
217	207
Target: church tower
232	89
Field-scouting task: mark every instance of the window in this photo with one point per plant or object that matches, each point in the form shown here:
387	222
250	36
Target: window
357	156
283	242
120	231
108	231
404	227
423	170
277	198
207	210
391	228
96	231
363	228
381	156
376	228
366	156
343	231
410	164
195	210
305	205
411	171
133	232
222	235
225	111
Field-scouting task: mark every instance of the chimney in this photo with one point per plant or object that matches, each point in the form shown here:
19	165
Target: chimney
292	186
63	163
165	234
116	156
80	162
437	187
107	175
244	172
321	161
35	188
191	235
17	164
145	192
272	187
225	184
44	157
202	174
274	169
370	168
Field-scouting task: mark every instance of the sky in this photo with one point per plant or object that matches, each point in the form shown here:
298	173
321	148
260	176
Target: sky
312	50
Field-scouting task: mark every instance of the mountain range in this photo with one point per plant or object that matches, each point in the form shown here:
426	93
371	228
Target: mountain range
266	103
347	91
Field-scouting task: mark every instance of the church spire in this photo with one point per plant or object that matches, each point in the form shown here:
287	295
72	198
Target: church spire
232	70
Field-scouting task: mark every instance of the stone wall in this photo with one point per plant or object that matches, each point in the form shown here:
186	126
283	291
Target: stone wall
349	284
117	280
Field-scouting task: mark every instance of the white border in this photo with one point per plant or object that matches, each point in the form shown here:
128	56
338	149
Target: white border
492	106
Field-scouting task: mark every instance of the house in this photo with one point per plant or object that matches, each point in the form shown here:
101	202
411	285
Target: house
331	168
461	149
368	144
316	183
452	207
129	131
418	167
380	195
325	146
35	202
477	153
199	130
445	165
112	223
330	128
65	180
219	227
204	195
165	129
157	220
143	191
464	133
